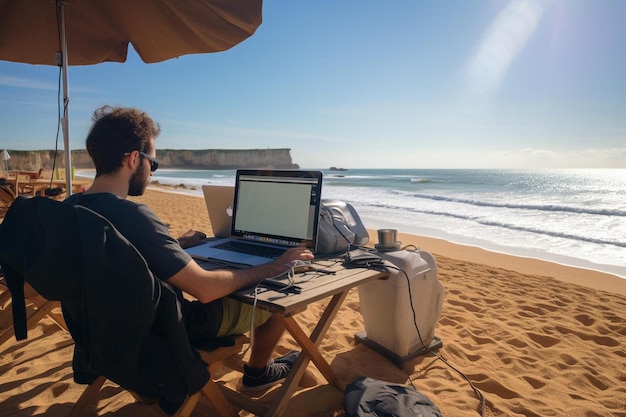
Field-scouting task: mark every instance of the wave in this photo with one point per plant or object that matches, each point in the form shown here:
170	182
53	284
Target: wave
538	207
511	226
378	177
554	234
420	180
346	178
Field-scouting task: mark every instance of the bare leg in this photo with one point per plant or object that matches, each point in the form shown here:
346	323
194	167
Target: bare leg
266	337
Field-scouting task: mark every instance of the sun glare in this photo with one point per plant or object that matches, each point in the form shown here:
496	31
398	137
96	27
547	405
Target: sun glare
503	40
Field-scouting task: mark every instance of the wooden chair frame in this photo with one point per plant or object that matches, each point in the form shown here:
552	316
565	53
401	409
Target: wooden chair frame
40	305
7	196
211	390
89	397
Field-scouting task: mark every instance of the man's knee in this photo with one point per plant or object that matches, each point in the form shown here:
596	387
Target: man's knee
239	318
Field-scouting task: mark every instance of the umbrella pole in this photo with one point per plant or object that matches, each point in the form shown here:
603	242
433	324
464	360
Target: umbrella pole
66	101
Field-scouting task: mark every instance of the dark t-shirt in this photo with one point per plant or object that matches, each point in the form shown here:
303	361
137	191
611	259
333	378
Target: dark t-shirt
151	237
141	226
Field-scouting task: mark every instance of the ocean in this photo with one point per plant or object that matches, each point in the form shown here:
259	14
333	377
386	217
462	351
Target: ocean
572	216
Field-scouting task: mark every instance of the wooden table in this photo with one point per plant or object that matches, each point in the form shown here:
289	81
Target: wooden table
313	287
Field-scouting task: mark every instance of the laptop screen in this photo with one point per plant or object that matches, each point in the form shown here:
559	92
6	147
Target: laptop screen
277	206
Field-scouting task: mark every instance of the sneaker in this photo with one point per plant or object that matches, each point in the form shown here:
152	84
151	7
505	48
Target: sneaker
275	372
289	358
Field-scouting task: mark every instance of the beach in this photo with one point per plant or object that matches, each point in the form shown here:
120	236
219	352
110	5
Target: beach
536	338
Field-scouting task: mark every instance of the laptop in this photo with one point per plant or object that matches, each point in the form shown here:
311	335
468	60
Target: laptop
273	210
219	203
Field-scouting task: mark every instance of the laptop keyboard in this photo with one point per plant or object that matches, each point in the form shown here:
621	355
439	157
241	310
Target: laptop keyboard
251	249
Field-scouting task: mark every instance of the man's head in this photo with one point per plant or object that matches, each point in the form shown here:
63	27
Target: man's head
118	133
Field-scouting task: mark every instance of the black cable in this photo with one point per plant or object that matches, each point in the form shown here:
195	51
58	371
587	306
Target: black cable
477	392
328	211
60	64
339	217
56	142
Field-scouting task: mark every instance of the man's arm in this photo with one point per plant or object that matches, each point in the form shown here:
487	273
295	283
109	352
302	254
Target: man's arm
207	286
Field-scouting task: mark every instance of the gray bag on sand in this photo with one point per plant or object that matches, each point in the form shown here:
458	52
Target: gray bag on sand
369	397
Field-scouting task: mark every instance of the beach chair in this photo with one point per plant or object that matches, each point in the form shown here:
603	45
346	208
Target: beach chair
21	184
125	323
7	196
211	390
39	306
33	175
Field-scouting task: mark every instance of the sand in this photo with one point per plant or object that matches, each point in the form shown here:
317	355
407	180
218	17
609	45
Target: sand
536	338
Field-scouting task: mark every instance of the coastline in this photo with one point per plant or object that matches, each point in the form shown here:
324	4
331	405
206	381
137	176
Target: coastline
475	242
571	274
582	261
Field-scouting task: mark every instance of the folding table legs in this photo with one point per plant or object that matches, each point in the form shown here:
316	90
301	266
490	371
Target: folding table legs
309	352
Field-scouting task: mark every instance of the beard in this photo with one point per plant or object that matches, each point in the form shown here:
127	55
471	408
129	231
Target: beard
138	181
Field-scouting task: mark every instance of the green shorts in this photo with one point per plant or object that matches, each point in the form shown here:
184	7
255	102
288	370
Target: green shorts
237	317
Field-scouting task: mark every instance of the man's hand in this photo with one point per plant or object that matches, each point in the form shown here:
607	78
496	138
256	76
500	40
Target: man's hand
300	253
191	238
207	286
283	262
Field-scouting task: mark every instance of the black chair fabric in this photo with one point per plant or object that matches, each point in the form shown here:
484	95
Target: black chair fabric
127	325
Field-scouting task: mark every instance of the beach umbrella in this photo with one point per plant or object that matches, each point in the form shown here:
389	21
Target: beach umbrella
5	160
86	32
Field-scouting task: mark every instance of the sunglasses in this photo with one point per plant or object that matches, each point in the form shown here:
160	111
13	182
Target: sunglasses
154	164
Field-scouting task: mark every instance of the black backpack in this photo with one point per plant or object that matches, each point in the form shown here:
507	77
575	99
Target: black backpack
368	397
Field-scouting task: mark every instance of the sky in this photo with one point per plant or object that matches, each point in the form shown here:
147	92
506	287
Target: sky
370	84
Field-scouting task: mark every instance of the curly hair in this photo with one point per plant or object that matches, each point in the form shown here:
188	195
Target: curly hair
117	131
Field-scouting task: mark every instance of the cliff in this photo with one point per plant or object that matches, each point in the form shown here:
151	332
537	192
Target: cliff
226	158
168	158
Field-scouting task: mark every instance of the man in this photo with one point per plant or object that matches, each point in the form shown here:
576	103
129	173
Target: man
121	144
